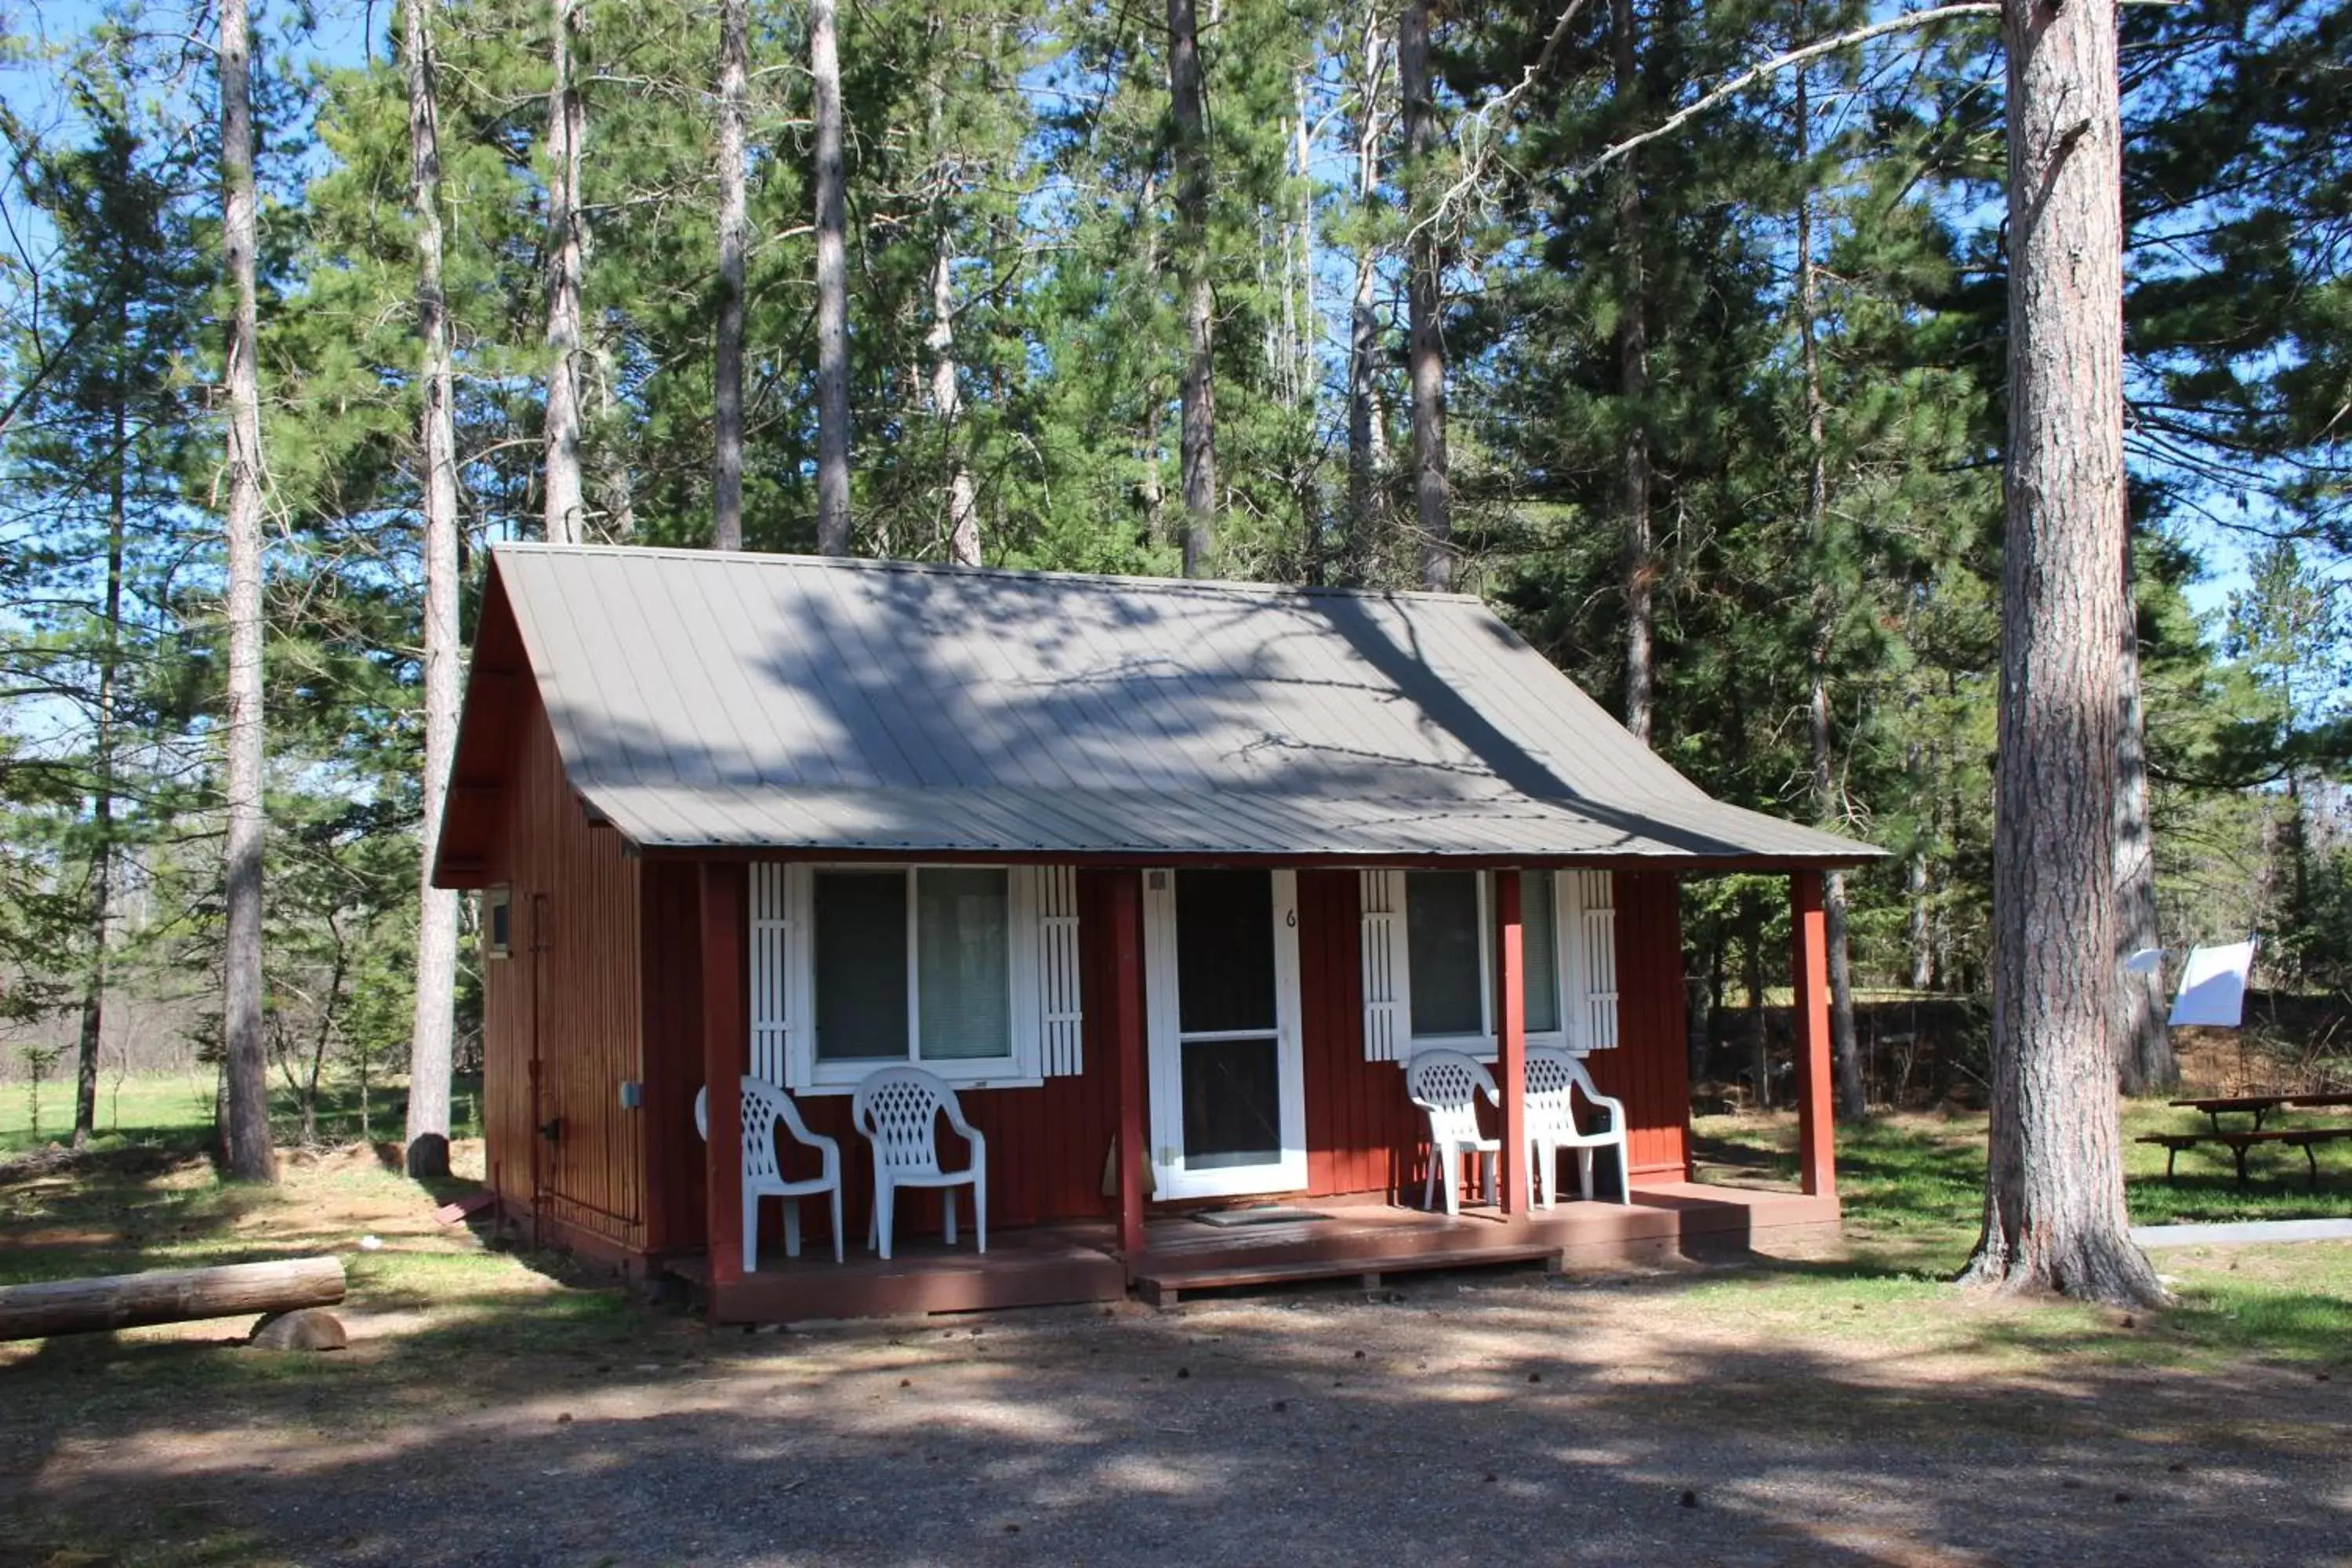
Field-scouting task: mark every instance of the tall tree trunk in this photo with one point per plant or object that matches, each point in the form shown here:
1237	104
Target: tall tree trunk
1424	345
1149	453
734	225
947	402
1633	388
567	127
101	868
1853	1101
1300	314
1364	509
616	484
1923	934
248	1154
2143	1043
2054	1216
1916	881
1751	911
429	1050
832	288
1198	437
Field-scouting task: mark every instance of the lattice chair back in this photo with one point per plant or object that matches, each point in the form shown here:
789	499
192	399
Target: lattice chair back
1446	1084
1554	1078
764	1105
898	1109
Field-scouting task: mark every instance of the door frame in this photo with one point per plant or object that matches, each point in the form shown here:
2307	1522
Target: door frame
1170	1179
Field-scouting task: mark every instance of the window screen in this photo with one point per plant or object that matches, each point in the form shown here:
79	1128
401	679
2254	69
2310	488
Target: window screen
861	965
963	928
1449	983
1224	951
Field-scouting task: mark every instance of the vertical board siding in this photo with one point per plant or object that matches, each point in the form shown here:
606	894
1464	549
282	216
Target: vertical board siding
1047	1147
675	1220
575	966
1649	1070
1364	1136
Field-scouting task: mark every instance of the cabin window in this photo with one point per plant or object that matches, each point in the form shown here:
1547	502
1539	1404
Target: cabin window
497	921
913	965
969	970
1445	940
1450	958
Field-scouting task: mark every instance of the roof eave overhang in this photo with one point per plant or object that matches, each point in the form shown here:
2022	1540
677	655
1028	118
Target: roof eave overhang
1691	863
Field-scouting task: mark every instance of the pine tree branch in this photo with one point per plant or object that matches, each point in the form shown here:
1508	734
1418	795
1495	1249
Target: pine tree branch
1483	118
1740	83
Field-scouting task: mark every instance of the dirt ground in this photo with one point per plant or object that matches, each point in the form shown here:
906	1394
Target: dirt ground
491	1412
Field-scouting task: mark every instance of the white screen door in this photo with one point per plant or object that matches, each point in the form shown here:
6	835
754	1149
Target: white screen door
1228	1093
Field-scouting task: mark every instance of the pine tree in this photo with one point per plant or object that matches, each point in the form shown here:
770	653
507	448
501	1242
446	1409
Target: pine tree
2054	1216
246	1144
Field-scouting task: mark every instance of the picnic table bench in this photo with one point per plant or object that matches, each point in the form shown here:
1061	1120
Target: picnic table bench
2239	1142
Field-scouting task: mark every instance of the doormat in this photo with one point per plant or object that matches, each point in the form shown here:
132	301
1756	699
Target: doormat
1271	1213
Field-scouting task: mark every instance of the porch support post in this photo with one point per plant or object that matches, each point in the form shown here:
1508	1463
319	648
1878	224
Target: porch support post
1126	1015
1810	965
1511	1025
726	1046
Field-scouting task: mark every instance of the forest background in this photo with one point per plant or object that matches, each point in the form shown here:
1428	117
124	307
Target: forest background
1722	417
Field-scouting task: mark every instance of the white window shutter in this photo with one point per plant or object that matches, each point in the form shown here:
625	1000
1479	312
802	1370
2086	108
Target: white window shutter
1594	959
1061	1016
779	985
1388	980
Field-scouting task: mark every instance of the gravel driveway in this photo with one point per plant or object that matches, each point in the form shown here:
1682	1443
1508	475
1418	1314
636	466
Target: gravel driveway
1489	1419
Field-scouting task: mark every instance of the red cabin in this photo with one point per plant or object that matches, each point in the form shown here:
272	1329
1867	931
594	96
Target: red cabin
1167	881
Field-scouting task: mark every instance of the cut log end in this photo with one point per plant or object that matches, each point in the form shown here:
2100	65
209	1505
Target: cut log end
305	1329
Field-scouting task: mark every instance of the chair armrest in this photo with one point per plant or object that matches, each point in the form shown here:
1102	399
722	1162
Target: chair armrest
800	1130
964	1130
1614	1106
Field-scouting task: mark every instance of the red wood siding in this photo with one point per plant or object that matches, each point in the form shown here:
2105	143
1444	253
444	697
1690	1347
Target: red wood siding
671	984
1364	1136
575	967
1650	1068
1046	1146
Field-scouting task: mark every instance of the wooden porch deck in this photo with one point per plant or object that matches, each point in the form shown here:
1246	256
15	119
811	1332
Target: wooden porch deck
1057	1264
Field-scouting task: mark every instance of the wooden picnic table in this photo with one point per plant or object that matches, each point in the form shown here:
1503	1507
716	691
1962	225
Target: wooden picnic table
2255	1105
2239	1142
2259	1105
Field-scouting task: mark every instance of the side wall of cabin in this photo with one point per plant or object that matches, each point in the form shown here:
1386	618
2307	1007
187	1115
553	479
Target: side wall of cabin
564	1010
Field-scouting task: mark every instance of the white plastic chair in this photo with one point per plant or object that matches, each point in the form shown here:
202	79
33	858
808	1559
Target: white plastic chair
1554	1080
899	1110
1447	1084
764	1105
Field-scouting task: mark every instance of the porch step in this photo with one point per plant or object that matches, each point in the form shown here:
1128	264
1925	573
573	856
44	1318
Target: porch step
1165	1287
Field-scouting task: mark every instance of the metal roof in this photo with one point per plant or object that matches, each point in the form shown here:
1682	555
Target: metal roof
710	700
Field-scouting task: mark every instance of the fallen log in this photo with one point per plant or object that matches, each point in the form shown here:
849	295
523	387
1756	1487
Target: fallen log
167	1296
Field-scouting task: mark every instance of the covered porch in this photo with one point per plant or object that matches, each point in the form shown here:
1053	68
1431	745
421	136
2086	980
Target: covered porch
1162	1251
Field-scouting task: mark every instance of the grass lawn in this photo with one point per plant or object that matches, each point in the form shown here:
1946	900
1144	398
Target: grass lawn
1840	1404
174	1110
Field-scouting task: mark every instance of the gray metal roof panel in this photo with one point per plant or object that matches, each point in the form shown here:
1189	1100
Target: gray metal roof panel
787	703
